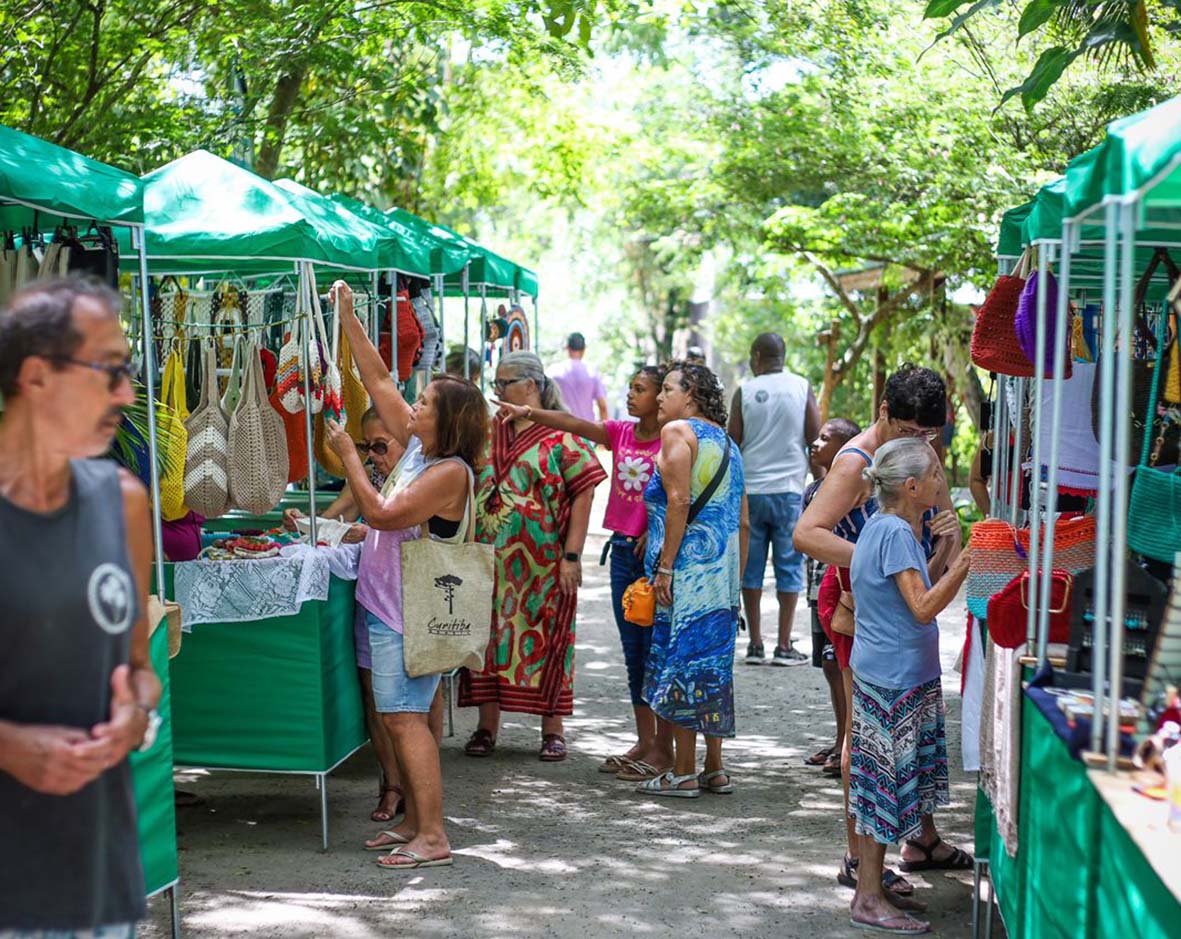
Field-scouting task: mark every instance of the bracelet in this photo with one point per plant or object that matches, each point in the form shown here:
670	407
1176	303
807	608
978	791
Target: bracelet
528	412
665	571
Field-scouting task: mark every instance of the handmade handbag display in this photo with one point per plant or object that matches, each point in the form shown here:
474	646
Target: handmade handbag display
1154	512
448	589
1008	611
347	403
1026	324
1000	554
293	357
170	416
207	471
257	442
1167	435
702	500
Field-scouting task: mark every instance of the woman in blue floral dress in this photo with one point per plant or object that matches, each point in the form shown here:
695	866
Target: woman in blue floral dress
696	546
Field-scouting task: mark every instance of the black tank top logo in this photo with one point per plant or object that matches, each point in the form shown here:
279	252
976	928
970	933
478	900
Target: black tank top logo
110	597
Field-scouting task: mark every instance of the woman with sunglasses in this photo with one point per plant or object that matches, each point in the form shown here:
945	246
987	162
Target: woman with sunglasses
634	446
914	405
534	499
426	496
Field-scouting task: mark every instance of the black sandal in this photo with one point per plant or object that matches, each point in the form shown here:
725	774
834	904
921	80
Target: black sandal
892	881
958	860
481	743
820	757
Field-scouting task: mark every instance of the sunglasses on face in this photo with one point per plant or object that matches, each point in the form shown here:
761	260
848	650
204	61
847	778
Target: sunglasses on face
116	374
502	383
379	448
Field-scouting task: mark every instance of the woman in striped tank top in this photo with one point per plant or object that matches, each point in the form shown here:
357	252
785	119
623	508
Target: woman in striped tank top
914	405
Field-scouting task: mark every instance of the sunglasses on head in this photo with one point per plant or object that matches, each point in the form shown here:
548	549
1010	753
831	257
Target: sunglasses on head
380	448
116	374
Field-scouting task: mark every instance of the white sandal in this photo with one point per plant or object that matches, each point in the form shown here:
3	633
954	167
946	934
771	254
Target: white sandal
656	787
703	780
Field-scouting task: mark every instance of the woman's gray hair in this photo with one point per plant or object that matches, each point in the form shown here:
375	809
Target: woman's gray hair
527	365
895	462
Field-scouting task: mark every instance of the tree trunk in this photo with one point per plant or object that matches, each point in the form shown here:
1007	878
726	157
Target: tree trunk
829	338
283	102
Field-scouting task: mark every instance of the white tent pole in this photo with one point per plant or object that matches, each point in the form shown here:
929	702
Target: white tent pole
307	283
1107	454
467	322
484	326
1035	477
139	238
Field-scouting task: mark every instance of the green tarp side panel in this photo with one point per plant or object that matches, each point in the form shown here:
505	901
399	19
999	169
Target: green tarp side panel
1011	240
526	281
1132	899
1060	812
274	694
414	247
204	213
63	183
151	776
1045	218
1135	150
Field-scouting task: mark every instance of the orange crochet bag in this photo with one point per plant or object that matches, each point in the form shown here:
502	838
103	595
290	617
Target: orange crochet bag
297	438
639	603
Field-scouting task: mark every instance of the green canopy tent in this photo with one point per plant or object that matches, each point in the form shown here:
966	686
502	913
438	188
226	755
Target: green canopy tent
44	185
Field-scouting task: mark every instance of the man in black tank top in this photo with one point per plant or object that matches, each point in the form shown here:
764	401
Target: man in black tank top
77	690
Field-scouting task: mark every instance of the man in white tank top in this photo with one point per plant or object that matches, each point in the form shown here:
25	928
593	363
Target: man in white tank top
772	419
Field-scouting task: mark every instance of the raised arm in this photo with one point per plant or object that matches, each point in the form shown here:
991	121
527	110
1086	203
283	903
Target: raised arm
391	406
843	490
559	420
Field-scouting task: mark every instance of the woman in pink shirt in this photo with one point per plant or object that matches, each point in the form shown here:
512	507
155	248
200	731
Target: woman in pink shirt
634	445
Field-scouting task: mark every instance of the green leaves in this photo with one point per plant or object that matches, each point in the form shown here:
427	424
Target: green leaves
1048	69
937	9
1036	14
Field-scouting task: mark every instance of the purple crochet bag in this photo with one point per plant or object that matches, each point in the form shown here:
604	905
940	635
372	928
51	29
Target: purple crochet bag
1026	323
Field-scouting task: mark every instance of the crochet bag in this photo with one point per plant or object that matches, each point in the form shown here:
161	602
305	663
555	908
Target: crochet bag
293	359
410	336
1154	511
355	399
233	392
1000	553
1026	324
994	337
1008	611
330	394
257	444
295	432
170	416
207	487
432	338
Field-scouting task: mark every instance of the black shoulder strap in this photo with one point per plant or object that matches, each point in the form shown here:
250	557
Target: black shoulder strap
708	492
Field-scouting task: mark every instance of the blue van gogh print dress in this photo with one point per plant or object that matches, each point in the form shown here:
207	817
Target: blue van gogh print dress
690	675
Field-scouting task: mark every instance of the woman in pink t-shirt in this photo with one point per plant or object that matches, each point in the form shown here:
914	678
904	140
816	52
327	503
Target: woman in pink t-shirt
634	445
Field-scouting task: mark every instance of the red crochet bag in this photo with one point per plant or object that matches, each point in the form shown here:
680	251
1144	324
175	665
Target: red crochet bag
1008	610
410	338
995	346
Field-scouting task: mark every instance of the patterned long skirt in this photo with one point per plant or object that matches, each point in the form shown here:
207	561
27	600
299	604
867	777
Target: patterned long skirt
899	771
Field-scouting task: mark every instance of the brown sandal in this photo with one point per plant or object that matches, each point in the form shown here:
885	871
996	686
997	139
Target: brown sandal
381	815
481	743
553	748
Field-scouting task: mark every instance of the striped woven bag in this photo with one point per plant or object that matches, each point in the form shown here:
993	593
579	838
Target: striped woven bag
207	484
257	443
1000	553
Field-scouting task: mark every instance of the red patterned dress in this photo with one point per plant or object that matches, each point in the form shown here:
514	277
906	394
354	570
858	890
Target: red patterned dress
524	495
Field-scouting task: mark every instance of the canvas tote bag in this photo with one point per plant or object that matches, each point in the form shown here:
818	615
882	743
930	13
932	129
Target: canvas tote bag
257	442
207	485
447	597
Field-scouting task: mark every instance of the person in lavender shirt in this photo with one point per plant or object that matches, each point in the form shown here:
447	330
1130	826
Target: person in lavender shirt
582	385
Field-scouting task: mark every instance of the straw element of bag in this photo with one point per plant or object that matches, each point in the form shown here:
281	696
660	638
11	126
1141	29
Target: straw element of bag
257	444
1000	553
169	416
994	337
355	401
447	598
233	393
207	486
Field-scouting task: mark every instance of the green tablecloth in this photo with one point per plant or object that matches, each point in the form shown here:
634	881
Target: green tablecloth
151	775
278	694
1077	873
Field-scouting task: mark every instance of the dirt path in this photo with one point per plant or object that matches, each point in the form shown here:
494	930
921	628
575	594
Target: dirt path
559	849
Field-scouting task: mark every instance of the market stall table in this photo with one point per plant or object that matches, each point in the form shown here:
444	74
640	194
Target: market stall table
271	695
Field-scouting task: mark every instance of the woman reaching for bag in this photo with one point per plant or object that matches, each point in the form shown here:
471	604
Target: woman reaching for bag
443	434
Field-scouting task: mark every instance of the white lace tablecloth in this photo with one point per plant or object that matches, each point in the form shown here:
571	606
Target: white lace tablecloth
241	591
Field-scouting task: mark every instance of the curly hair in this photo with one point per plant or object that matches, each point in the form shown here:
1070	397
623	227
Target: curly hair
654	374
703	386
916	394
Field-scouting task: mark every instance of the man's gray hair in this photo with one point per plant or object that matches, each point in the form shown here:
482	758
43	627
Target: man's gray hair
895	462
39	320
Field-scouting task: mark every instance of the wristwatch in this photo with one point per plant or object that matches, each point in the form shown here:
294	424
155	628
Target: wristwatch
153	728
572	556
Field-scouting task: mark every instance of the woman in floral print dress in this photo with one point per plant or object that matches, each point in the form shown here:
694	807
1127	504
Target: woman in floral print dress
634	446
533	499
